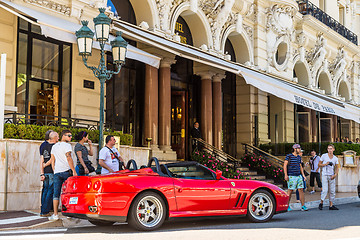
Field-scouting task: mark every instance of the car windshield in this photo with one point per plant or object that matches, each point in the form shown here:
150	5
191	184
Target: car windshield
191	172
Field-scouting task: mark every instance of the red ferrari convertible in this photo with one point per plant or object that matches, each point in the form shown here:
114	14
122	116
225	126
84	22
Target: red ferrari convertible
146	197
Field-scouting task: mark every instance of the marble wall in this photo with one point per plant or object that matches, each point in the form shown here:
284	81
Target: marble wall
23	160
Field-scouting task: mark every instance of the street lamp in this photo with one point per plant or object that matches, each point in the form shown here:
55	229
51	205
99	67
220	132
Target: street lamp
119	46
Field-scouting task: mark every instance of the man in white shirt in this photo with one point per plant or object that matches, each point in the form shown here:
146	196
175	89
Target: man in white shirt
63	166
109	156
315	171
330	169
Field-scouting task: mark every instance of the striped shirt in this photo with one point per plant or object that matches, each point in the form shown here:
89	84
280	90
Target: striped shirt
293	167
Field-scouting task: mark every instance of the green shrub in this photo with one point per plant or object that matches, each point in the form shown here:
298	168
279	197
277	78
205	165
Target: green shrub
35	132
262	165
286	148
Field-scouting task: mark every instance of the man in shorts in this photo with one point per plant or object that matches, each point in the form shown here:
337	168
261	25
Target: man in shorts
294	174
63	166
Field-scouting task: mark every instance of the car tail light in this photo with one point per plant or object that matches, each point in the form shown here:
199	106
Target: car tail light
64	187
97	185
88	186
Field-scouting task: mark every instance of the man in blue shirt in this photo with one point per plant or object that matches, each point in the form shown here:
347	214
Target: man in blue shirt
293	174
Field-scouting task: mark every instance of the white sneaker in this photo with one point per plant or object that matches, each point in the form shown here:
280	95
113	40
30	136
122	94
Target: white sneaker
312	192
54	217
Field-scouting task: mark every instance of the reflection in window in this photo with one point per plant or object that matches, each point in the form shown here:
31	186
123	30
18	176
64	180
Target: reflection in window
45	61
43	75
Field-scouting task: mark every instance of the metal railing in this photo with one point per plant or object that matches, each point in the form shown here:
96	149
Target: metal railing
308	8
250	149
46	120
201	145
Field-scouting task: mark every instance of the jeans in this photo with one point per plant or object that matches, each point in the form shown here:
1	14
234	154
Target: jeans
77	170
297	191
59	179
47	193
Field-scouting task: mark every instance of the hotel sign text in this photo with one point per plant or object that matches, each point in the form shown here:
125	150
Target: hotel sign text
311	104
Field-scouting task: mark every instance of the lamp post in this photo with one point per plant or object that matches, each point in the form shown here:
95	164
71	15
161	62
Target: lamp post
119	47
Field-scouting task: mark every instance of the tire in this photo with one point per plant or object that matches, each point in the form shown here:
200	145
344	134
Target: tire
261	206
147	212
101	222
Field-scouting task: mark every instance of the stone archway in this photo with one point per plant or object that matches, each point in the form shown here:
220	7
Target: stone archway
301	72
343	91
324	83
241	44
197	22
145	11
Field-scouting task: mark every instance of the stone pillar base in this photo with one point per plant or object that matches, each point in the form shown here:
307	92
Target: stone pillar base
164	155
166	148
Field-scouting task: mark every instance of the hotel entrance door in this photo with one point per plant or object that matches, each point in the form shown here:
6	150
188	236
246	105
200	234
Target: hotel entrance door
178	123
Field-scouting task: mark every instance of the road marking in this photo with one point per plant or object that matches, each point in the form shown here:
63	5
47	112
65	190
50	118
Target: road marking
19	220
31	236
33	231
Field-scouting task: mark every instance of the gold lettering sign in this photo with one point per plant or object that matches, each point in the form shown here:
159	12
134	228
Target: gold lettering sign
180	31
179	27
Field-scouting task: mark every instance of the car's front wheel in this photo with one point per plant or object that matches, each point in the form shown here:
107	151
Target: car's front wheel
148	212
261	206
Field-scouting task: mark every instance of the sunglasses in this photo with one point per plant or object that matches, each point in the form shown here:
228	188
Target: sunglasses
69	135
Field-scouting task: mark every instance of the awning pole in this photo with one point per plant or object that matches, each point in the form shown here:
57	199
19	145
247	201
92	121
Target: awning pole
2	93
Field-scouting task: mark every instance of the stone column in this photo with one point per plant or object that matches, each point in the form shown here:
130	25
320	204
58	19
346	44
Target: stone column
165	104
314	126
151	106
217	109
206	107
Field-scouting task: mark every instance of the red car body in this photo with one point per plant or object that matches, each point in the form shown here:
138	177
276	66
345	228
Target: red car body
109	197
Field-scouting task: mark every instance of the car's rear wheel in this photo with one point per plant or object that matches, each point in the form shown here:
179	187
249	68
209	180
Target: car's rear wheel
261	206
101	222
147	212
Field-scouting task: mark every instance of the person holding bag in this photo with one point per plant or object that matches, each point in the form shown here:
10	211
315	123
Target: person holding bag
83	167
109	157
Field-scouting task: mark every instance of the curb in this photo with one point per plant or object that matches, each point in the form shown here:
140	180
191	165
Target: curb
315	204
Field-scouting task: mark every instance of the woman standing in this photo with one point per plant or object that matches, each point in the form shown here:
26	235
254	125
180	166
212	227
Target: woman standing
83	166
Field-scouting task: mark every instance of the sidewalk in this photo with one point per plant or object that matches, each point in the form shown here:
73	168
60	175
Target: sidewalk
28	219
313	200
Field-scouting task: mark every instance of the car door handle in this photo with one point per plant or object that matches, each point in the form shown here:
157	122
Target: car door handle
180	190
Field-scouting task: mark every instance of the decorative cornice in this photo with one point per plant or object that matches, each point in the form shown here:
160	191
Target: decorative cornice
61	8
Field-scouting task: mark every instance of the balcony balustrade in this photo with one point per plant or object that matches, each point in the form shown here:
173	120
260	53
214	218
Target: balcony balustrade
308	8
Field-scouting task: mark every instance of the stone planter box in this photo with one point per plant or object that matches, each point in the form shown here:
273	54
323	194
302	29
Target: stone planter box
20	184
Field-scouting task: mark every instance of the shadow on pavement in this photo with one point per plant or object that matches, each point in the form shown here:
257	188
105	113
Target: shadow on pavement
314	219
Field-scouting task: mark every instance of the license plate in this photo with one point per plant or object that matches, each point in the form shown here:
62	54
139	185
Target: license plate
73	200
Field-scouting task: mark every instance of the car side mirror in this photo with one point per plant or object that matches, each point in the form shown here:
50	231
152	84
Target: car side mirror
218	174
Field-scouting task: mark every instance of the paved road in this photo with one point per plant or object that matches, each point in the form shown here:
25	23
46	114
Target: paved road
314	224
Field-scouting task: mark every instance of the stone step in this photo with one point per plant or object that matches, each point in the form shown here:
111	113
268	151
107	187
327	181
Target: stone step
242	169
250	173
168	161
257	177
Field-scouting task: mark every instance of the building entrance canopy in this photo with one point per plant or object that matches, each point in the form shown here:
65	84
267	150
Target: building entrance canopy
64	30
280	88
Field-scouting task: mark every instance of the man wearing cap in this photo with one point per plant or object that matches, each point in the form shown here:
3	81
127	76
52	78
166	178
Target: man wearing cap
294	174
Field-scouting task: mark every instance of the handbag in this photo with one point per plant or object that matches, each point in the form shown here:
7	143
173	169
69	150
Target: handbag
89	167
121	164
